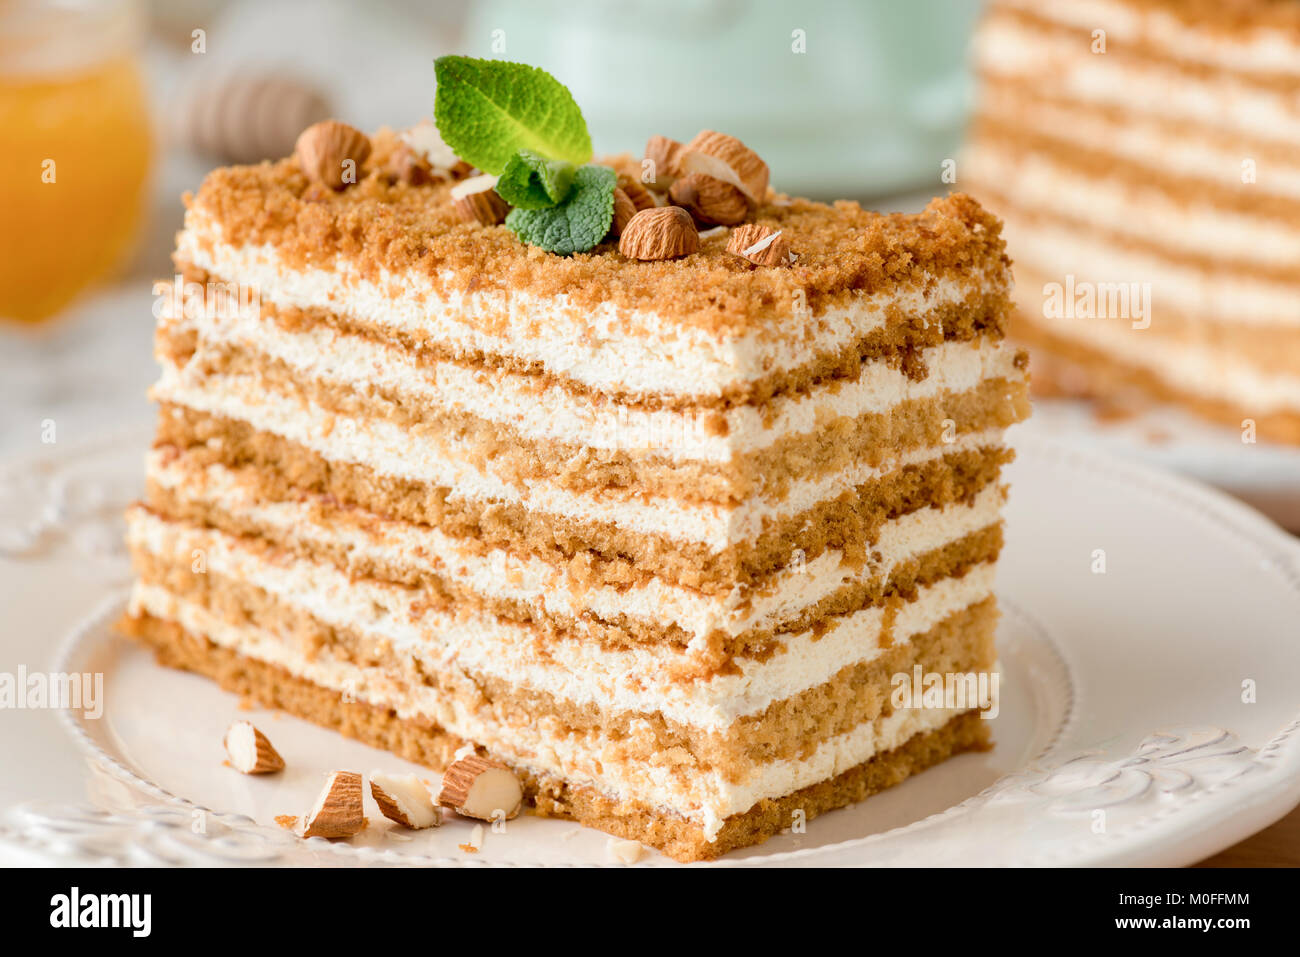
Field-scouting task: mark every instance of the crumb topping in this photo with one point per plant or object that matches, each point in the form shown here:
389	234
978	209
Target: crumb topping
382	223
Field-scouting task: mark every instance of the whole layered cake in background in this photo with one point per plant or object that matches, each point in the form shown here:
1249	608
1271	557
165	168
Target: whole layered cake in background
656	522
1145	156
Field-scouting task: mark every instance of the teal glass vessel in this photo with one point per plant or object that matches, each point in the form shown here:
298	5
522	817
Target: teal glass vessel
843	99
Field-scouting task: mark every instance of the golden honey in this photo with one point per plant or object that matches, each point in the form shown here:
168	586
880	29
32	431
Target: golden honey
75	151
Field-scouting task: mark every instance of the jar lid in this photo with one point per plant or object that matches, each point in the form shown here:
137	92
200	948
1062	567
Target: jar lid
46	38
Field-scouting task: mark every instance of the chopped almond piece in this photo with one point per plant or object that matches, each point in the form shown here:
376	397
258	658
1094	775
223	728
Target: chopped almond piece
476	201
663	233
338	810
404	798
636	191
481	788
761	245
625	852
710	200
331	153
727	159
623	213
426	142
249	750
666	155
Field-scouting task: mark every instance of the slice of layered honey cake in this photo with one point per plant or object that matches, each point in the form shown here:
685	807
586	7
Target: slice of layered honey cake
1146	157
655	512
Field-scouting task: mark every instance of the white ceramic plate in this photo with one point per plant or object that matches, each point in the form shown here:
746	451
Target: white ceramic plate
1123	736
1264	475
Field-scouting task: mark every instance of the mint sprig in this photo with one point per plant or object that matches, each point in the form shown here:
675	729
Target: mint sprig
531	181
520	124
578	223
489	110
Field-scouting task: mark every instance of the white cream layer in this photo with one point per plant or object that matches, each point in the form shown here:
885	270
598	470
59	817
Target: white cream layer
1055	250
590	760
551	590
1261	50
1193	369
1065	66
554	414
634	681
1189	152
392	450
1036	182
605	348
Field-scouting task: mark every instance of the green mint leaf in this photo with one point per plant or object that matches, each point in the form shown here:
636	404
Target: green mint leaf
488	110
578	223
531	181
